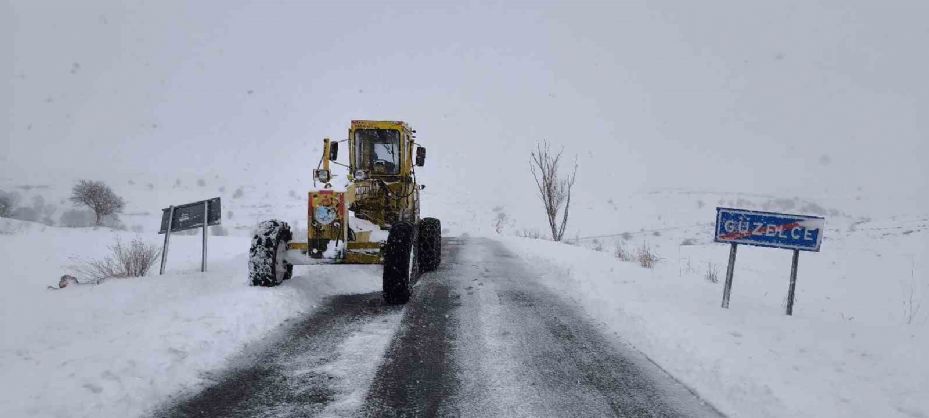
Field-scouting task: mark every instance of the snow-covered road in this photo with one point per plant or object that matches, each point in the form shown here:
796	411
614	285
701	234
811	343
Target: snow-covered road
318	365
481	337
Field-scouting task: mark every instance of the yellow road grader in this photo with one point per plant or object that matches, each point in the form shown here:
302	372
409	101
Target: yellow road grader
373	220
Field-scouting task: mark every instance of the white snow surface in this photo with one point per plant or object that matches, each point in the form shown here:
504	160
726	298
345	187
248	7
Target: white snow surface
355	367
849	350
119	348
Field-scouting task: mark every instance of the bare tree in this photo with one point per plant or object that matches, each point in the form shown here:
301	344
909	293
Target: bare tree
554	187
98	197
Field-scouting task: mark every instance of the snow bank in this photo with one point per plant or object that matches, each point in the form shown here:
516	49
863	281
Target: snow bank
119	348
752	360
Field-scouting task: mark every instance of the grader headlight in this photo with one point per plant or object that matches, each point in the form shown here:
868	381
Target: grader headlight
323	175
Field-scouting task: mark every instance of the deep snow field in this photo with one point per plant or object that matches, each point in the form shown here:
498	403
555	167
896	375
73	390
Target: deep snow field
850	350
856	345
118	348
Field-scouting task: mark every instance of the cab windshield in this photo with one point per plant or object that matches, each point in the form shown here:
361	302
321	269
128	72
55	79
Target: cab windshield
377	151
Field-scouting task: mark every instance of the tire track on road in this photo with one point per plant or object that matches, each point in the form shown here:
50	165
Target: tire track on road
297	375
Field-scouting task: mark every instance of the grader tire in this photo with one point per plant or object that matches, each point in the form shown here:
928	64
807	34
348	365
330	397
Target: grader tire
430	244
399	267
266	264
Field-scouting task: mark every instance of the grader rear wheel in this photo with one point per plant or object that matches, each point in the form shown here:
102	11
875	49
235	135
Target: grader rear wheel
430	244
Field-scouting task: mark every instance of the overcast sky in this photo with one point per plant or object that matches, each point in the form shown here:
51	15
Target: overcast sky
785	97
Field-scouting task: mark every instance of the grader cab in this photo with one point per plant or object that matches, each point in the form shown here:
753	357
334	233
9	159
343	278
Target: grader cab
373	219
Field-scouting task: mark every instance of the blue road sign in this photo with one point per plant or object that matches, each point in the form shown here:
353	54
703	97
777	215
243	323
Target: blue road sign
767	229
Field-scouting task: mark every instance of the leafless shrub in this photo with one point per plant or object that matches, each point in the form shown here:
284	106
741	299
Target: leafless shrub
712	273
626	236
201	183
656	233
500	219
124	261
646	257
623	254
597	245
689	241
912	301
238	193
554	188
98	197
529	233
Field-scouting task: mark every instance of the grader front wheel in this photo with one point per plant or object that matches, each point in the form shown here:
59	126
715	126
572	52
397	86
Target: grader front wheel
267	265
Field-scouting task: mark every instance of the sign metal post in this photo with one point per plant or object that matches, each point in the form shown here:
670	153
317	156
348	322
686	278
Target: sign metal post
164	250
206	217
727	288
793	283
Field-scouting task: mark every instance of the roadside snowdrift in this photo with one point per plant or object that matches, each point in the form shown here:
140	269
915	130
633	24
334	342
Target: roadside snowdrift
849	350
119	348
